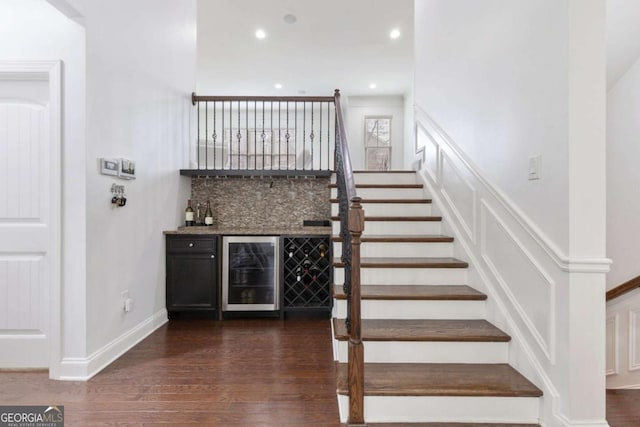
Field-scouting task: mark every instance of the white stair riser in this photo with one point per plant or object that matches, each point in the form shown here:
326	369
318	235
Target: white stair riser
400	249
385	178
462	409
428	352
391	209
382	177
410	309
396	228
407	276
386	193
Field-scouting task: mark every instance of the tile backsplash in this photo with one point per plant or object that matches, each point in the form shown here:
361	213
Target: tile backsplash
268	202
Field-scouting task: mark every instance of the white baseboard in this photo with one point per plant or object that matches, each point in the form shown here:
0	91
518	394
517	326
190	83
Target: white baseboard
83	369
626	387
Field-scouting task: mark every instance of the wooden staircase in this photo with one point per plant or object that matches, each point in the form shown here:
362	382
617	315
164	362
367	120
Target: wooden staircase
431	359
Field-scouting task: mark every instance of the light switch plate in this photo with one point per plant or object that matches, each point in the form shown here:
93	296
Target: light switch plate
534	167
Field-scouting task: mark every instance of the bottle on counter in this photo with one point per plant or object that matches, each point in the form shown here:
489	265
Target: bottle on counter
198	215
189	219
208	215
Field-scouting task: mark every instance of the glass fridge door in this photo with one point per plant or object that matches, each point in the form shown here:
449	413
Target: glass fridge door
250	273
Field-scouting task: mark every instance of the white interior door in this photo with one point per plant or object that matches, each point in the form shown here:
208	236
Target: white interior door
28	218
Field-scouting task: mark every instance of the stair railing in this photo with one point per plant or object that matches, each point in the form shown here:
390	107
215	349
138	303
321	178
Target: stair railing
351	227
262	136
624	288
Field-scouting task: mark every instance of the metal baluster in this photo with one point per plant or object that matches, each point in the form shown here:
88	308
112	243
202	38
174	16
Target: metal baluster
304	135
223	142
206	135
311	136
295	134
271	139
255	138
320	144
215	135
263	135
239	135
287	135
198	140
279	135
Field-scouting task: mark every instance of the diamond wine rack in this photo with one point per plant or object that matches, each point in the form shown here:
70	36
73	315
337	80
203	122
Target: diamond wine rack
307	274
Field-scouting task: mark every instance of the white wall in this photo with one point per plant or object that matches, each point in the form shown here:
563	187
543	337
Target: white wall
623	227
623	177
409	153
141	59
497	82
35	30
357	107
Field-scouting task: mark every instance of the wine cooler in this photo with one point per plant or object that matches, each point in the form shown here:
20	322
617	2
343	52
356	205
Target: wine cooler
250	273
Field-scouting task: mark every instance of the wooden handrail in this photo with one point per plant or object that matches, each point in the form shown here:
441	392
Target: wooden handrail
351	228
344	147
207	98
626	287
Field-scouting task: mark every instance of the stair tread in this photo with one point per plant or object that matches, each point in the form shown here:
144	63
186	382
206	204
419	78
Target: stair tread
398	186
440	379
396	218
390	262
449	425
415	292
447	330
434	238
400	201
390	171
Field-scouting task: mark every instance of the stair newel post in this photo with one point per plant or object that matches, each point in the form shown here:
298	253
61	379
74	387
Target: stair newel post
356	349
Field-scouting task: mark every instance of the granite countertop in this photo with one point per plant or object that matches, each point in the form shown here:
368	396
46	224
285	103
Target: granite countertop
258	231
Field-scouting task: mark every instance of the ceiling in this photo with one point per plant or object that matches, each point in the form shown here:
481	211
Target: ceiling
333	44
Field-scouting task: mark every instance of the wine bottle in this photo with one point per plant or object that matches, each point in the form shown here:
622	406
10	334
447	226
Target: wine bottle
188	215
208	215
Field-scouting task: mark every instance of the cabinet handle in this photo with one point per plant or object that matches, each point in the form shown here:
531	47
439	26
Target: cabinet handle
213	256
190	245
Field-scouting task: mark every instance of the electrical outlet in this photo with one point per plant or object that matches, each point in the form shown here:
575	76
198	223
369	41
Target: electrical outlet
534	167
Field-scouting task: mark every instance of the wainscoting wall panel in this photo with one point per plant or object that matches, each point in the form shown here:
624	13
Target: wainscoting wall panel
634	342
430	151
623	341
524	273
529	287
612	344
460	195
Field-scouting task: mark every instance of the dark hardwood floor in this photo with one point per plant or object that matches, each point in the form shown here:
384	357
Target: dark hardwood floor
251	372
623	408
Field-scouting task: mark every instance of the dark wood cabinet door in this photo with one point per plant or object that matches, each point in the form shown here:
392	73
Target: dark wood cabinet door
192	273
191	281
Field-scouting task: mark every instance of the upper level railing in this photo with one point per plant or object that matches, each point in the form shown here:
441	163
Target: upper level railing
263	135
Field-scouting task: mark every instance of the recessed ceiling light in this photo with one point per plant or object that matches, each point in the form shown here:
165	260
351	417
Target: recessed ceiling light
290	19
261	34
373	86
277	86
395	33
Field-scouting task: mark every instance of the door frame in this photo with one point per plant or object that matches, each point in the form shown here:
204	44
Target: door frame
52	72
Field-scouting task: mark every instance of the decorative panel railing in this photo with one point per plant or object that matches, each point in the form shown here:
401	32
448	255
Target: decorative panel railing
263	135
